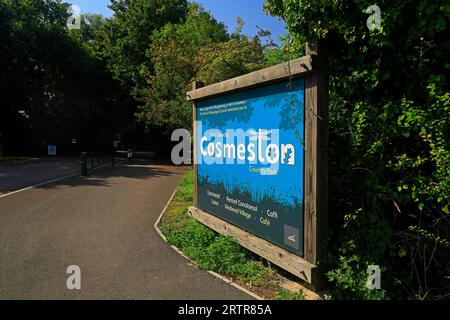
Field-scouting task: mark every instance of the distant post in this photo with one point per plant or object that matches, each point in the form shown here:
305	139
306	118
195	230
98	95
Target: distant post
84	164
195	85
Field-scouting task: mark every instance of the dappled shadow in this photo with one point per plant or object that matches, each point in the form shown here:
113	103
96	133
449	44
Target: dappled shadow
107	176
23	174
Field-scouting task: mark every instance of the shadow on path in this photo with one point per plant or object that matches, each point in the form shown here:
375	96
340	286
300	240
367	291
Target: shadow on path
101	177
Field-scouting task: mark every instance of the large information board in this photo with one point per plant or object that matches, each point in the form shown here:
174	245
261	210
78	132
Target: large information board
250	160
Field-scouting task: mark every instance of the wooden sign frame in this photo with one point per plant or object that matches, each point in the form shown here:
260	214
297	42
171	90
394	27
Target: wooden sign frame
312	68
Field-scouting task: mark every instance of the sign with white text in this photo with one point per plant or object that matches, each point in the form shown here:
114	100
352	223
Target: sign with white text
51	150
250	155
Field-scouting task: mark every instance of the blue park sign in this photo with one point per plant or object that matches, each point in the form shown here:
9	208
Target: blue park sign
51	150
250	159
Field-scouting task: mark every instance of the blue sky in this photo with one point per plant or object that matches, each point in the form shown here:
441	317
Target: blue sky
223	10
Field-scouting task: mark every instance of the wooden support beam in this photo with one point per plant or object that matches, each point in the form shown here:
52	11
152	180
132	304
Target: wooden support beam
293	68
195	85
316	154
281	257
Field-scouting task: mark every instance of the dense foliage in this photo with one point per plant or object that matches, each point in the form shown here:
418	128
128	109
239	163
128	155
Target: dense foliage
390	141
128	37
123	77
200	49
53	87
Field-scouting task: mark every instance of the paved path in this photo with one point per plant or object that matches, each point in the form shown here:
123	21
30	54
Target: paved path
22	174
103	224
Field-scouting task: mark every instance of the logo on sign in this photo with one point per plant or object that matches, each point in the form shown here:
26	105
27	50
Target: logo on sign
291	235
253	146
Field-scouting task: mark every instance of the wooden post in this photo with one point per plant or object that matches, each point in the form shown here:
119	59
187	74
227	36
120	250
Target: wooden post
316	154
195	85
84	164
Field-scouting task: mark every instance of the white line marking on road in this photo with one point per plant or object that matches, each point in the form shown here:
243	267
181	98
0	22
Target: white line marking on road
39	184
51	181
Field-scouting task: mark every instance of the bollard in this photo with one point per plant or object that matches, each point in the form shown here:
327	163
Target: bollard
130	155
84	164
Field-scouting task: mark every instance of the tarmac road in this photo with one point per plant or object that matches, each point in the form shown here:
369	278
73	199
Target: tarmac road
104	225
21	174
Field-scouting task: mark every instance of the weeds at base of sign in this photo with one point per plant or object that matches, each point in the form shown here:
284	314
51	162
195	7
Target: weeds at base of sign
223	255
283	294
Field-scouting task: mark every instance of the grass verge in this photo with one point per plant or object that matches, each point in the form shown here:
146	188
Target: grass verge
215	252
10	159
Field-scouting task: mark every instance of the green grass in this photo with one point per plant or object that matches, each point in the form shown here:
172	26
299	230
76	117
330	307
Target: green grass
208	249
8	159
283	294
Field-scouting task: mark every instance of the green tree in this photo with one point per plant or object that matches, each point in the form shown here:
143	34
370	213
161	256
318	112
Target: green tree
222	61
54	85
389	133
173	53
129	37
197	49
31	63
